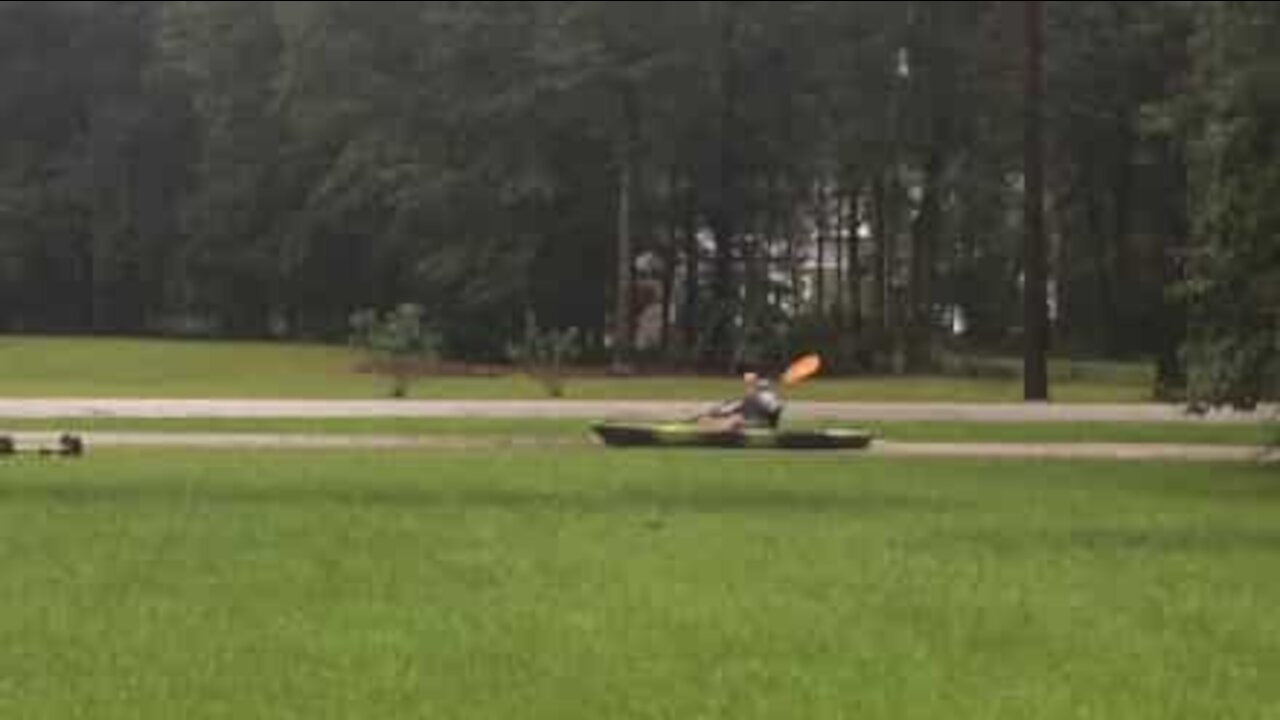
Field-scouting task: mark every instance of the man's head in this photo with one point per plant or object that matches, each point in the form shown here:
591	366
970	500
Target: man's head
754	382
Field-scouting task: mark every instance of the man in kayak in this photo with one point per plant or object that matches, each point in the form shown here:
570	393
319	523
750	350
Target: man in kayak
759	408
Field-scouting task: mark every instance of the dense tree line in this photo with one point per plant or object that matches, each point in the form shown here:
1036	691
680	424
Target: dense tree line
694	182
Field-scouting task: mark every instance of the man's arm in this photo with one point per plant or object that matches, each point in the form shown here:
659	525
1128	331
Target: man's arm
732	407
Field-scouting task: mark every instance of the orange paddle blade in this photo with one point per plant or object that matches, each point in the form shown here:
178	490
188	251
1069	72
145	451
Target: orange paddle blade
802	368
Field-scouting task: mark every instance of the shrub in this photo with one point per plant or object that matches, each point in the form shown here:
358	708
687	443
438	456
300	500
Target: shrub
400	343
542	354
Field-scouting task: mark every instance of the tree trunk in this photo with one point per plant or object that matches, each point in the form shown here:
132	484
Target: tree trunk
1121	192
623	334
1106	316
692	277
793	253
894	305
854	267
1035	316
838	236
924	241
1062	281
821	278
879	232
781	245
669	259
1171	372
622	296
724	290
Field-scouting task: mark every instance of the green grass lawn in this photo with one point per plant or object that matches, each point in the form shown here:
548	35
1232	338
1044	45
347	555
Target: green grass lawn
1191	433
104	367
593	584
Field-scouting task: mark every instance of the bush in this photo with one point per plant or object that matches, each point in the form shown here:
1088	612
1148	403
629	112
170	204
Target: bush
542	354
400	343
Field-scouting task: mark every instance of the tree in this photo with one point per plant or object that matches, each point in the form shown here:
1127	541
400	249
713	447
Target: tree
399	343
1116	174
228	55
1035	277
262	169
543	354
91	166
1233	288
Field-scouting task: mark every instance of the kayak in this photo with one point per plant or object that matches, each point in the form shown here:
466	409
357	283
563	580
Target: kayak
687	435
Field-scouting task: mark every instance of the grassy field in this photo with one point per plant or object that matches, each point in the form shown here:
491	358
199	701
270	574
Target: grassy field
588	584
97	367
1128	432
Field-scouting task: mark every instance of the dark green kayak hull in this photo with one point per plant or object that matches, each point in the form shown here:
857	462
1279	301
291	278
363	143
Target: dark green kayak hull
677	435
